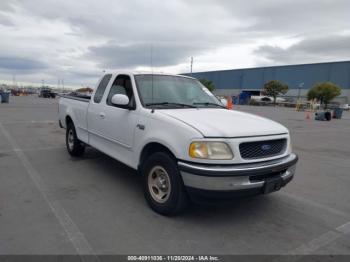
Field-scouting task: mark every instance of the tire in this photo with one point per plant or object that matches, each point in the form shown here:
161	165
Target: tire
74	146
175	199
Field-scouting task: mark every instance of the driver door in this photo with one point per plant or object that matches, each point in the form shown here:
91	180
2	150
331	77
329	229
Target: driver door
117	123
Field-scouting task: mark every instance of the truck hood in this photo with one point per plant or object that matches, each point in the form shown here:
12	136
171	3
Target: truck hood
225	123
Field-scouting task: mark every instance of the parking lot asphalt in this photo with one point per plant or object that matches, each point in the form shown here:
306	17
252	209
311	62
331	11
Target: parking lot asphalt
51	203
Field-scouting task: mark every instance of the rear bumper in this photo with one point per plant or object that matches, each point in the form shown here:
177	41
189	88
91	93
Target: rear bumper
241	179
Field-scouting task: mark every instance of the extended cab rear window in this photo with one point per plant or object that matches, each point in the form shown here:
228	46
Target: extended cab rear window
101	88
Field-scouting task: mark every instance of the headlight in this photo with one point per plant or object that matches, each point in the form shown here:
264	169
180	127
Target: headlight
210	150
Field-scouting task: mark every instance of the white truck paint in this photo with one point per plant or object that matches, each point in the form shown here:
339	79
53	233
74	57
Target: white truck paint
137	131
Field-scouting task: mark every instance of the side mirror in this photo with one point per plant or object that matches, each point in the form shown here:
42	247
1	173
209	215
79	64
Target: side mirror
223	101
120	100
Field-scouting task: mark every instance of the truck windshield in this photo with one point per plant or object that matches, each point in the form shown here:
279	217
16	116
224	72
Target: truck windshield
164	91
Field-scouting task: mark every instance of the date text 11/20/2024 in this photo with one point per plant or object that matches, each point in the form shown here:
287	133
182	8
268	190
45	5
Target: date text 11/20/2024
174	258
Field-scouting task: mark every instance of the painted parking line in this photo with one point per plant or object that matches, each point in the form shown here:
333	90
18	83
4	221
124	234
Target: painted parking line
321	241
316	205
315	244
33	149
77	238
30	122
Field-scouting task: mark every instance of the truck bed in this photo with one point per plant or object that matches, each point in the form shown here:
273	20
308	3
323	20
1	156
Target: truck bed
77	96
75	106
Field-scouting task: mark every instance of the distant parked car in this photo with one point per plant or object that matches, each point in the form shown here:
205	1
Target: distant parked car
344	107
47	93
267	99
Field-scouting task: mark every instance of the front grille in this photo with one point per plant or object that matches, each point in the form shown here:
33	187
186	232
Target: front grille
262	149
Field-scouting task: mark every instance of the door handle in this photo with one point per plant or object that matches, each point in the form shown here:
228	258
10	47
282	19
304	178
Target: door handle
140	126
102	115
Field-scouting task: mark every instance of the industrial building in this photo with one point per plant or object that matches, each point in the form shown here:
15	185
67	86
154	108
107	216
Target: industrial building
299	78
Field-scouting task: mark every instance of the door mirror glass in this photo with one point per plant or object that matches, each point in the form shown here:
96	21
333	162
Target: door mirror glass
223	101
120	100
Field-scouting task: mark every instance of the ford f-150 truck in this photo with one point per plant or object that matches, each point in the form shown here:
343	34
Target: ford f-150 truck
179	137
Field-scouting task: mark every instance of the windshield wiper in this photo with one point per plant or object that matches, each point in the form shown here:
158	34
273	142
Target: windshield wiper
170	104
209	104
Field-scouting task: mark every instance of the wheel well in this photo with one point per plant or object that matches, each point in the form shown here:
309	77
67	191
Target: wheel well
151	148
68	120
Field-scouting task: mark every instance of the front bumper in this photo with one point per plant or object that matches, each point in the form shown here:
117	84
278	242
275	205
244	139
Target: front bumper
240	178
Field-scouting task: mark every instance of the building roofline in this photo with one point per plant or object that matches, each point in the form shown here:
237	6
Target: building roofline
265	67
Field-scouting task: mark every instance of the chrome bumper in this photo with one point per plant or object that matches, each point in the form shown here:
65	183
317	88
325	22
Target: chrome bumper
237	177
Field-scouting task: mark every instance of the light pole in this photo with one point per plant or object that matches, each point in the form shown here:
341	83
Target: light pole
300	86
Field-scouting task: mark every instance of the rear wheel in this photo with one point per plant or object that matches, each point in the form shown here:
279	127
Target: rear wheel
74	146
163	185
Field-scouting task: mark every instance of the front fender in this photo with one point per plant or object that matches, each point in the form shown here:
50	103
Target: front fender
170	133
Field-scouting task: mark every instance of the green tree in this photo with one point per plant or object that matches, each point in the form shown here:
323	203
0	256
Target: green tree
324	92
208	84
275	88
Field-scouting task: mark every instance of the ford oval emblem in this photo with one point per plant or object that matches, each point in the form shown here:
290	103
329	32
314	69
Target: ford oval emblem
265	147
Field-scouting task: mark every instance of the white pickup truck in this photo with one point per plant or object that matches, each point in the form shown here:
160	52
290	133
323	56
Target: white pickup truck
180	138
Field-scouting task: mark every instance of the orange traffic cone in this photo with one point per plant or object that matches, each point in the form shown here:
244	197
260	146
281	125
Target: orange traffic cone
229	103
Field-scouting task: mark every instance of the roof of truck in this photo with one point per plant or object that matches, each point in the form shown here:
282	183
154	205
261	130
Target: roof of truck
143	73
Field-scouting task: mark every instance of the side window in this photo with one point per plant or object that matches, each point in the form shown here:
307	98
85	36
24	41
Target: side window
101	88
121	85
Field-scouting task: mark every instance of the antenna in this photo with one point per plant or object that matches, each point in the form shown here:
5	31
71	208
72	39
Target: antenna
191	64
151	58
152	69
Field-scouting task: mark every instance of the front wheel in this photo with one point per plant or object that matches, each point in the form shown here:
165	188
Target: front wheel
74	146
163	185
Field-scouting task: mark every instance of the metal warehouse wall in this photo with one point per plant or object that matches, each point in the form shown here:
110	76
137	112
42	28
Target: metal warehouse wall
292	75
